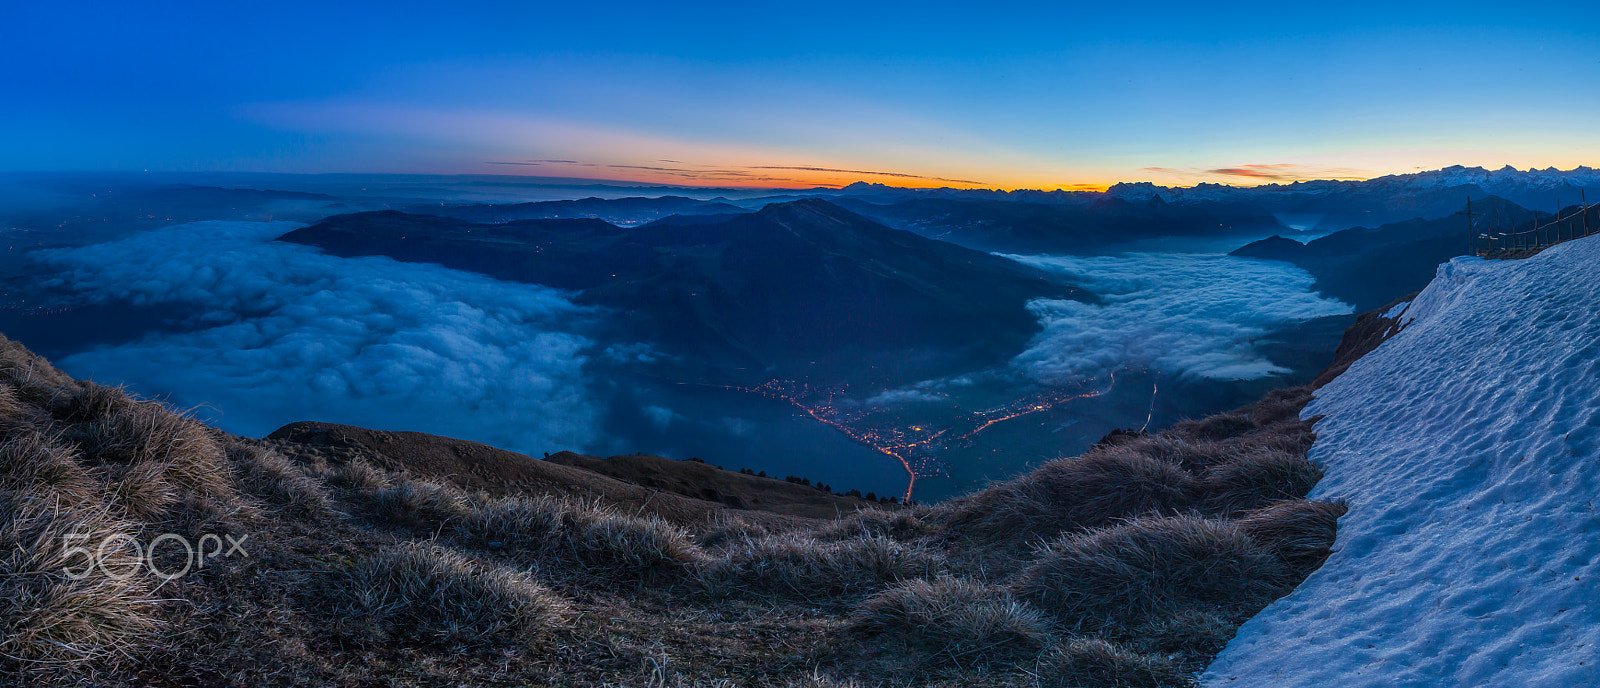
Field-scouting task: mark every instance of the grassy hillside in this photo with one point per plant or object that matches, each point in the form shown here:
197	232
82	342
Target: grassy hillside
333	563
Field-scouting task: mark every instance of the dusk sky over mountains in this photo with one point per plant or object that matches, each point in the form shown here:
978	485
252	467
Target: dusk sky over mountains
1058	95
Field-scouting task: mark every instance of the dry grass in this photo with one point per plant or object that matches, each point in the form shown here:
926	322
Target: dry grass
421	504
1146	567
1298	532
1281	406
1091	662
896	525
39	465
360	476
799	566
1256	479
557	590
426	593
90	402
1071	494
1191	454
1219	427
593	539
277	480
144	441
1190	636
46	617
953	616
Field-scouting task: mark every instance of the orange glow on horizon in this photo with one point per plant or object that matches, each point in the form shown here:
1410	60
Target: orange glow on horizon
804	177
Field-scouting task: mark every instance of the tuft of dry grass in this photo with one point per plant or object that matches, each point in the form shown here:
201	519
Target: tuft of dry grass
1071	494
792	564
1218	427
599	540
1191	636
728	529
1281	405
953	615
896	525
39	465
1083	662
426	593
59	606
89	402
1190	454
274	478
17	415
420	504
817	679
1299	532
360	475
148	438
1256	479
1149	566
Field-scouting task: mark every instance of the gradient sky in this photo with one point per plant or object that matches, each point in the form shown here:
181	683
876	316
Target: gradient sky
1056	95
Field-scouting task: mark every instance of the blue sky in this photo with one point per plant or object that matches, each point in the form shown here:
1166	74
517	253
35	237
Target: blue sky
1042	96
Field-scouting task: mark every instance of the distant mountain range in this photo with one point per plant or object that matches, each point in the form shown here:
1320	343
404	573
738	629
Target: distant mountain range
1028	227
622	211
804	289
1321	205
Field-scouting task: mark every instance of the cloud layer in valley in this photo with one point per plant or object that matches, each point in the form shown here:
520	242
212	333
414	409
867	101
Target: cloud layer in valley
277	332
1185	314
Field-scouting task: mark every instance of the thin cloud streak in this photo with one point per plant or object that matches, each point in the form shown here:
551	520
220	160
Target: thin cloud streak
1266	172
880	174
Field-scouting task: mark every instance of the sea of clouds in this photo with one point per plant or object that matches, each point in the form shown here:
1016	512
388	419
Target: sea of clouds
275	332
1186	314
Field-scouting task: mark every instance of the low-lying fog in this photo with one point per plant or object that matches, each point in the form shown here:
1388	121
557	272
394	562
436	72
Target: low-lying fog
251	334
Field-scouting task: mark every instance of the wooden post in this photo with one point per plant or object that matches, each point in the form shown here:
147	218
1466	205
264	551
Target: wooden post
1472	239
1583	200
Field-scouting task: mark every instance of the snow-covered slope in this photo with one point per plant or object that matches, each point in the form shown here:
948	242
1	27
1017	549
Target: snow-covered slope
1468	446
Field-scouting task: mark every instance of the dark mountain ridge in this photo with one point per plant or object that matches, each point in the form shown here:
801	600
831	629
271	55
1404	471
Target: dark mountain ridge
1368	267
631	210
804	289
1027	227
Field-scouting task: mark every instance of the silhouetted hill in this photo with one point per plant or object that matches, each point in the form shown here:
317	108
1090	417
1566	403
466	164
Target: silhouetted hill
630	210
1024	227
801	289
1368	267
682	492
703	481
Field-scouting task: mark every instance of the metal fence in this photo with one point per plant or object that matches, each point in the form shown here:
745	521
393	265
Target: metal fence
1541	233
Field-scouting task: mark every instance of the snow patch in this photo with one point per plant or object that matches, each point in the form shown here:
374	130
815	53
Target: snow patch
1395	311
1468	446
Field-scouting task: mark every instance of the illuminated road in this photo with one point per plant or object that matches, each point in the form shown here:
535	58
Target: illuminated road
915	446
